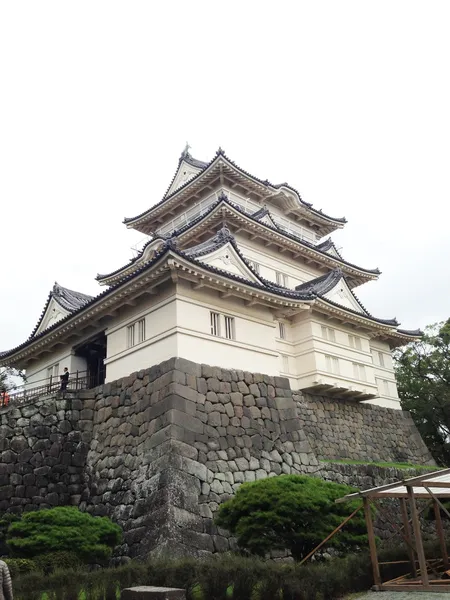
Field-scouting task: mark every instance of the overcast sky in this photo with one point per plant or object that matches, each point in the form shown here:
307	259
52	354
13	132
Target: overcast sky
348	102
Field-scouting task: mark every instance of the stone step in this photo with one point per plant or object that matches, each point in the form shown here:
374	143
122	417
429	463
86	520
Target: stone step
153	593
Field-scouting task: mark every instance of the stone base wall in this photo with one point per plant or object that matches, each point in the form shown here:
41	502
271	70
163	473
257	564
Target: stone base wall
158	451
344	429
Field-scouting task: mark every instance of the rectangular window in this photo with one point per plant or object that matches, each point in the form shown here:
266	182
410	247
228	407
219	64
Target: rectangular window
354	342
359	372
255	266
229	328
328	334
130	335
56	370
281	278
141	331
332	364
281	330
381	359
49	372
285	360
215	324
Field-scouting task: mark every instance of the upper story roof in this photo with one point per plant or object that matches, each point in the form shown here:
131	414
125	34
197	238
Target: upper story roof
192	178
261	222
216	263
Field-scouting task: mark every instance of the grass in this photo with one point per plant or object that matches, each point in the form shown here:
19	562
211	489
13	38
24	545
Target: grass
390	465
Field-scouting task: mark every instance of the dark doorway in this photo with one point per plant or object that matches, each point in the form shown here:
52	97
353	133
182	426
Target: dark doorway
94	352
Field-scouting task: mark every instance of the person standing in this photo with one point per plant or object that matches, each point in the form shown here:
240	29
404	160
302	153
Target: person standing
64	379
6	591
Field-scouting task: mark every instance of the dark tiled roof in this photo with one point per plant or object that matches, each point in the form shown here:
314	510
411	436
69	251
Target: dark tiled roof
69	300
257	216
186	156
314	290
224	198
265	183
323	284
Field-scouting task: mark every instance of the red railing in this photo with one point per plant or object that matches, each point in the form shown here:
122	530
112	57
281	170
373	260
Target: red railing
79	380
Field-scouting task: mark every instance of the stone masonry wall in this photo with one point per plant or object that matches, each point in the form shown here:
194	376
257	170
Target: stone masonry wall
342	429
158	451
43	449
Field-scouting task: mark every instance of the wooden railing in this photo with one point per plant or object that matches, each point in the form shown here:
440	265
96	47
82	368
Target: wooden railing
79	380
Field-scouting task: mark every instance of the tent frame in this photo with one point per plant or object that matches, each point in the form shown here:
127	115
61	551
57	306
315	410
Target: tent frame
425	575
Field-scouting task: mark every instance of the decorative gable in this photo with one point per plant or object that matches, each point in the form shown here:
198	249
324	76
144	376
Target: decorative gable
227	259
53	313
341	294
185	173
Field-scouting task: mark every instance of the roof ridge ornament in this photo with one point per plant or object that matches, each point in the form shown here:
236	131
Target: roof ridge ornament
222	196
185	152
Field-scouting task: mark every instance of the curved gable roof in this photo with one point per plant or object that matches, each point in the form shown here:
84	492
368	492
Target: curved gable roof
68	300
220	154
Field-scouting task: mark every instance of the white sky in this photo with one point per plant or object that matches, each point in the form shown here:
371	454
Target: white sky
347	101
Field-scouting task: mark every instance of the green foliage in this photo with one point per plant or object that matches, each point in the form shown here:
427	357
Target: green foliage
223	577
423	379
63	529
48	563
292	512
5	521
19	566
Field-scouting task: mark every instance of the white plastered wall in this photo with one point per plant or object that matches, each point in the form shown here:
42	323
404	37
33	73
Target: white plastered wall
271	261
37	372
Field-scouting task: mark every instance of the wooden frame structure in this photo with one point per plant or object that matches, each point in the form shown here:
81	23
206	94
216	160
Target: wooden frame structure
425	575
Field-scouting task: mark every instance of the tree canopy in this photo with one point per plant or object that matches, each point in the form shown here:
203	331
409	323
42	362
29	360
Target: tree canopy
63	529
293	512
423	380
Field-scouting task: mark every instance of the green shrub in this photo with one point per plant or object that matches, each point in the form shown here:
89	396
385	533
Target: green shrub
57	561
18	566
63	529
294	512
5	521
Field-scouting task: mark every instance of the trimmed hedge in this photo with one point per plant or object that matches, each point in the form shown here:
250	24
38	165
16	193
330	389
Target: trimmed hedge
222	577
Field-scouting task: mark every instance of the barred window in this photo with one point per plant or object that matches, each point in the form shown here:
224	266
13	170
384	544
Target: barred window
359	372
229	328
281	330
328	334
354	342
136	333
332	364
215	323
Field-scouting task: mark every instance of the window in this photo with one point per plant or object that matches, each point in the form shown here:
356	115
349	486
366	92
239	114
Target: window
359	372
328	334
285	360
141	330
136	333
281	278
223	323
332	364
229	328
215	323
385	387
281	330
255	265
381	359
355	342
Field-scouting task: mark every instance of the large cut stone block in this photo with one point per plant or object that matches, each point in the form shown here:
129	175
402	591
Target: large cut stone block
153	593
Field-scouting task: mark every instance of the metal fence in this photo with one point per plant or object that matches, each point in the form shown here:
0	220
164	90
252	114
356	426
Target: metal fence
79	380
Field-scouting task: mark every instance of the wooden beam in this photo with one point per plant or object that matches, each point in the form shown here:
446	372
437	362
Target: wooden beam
409	547
440	533
372	542
418	536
